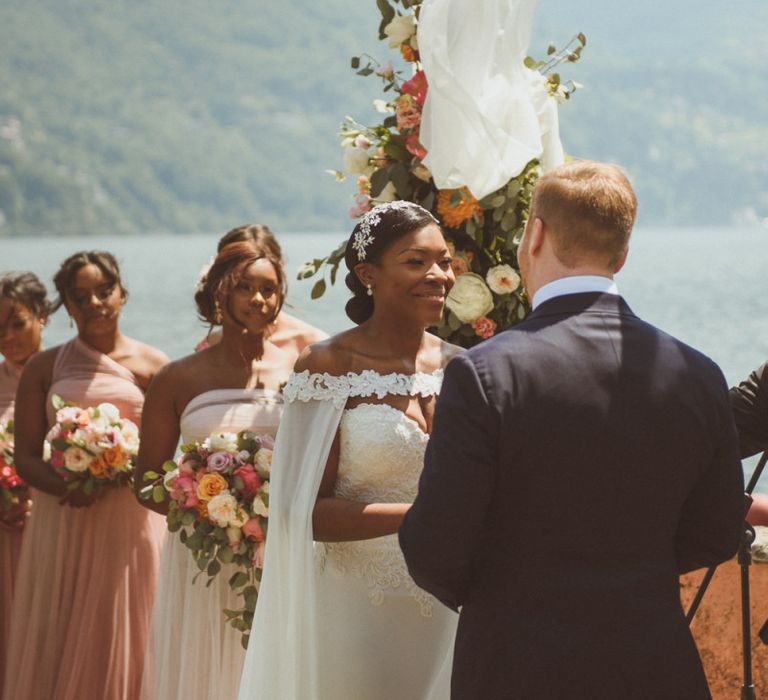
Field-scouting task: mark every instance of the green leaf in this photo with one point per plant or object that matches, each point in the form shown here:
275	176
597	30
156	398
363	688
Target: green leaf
214	567
151	476
225	555
57	402
238	579
188	517
158	494
88	487
355	62
551	49
318	290
379	181
145	493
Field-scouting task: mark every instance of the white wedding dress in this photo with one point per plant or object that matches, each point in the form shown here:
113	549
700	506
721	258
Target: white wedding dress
344	621
193	653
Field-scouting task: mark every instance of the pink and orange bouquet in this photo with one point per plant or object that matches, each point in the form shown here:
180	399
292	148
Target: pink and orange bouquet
218	494
14	492
92	448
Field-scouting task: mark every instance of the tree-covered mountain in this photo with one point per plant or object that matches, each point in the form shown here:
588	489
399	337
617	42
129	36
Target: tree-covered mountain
197	116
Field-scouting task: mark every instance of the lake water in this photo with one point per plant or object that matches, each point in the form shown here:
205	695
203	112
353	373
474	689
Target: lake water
705	286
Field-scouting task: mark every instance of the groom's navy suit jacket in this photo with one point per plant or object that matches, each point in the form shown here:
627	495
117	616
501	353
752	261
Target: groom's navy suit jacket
578	463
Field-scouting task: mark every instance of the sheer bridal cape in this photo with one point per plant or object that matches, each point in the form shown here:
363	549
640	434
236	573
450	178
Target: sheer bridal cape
344	619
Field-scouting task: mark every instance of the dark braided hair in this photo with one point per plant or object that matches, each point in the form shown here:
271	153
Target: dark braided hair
373	234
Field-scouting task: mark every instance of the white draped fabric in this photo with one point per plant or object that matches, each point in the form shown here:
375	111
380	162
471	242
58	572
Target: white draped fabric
344	621
486	115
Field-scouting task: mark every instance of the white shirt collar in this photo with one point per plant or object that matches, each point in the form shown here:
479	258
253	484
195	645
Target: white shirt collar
574	285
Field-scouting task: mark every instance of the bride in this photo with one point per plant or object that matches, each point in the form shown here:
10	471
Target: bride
341	618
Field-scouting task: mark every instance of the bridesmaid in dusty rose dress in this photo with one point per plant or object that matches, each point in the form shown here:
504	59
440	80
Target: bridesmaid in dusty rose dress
23	312
88	565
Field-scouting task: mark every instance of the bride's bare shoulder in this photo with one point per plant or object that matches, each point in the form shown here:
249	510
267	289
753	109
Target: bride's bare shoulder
333	355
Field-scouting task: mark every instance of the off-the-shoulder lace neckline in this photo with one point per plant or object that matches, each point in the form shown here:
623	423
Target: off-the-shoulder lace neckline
307	386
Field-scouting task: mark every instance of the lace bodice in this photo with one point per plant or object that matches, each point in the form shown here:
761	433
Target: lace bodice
380	461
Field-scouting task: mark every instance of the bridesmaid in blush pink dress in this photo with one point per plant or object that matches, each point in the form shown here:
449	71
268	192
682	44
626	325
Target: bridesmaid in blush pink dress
88	566
23	311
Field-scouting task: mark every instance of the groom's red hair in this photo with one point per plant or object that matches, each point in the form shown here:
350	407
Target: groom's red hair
589	208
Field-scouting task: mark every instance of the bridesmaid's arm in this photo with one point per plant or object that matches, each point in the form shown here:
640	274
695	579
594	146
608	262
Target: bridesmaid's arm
341	520
159	434
30	424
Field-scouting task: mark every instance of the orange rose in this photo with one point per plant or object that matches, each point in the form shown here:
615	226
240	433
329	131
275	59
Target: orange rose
211	485
98	467
114	457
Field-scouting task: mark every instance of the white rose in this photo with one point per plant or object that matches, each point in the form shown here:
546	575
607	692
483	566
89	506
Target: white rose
400	29
503	279
263	463
222	442
76	459
109	412
357	161
388	194
222	509
258	507
241	518
130	435
470	298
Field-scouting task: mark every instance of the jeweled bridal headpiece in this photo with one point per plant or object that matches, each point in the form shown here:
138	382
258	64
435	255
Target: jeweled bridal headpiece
364	237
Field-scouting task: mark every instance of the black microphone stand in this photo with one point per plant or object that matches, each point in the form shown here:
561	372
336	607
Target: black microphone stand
745	561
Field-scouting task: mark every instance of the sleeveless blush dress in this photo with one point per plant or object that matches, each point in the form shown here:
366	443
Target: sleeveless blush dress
86	577
10	541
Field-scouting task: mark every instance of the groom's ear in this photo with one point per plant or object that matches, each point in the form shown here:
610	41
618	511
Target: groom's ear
536	234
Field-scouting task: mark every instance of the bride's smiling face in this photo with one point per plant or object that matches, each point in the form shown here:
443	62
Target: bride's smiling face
412	277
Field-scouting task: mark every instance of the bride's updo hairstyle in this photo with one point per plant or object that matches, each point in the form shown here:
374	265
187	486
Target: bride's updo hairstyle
376	231
64	279
215	286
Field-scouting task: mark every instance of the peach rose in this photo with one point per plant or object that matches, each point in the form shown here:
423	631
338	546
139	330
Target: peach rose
252	530
98	467
211	485
115	457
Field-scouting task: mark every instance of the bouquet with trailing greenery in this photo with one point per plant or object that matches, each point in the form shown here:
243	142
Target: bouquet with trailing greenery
218	495
386	161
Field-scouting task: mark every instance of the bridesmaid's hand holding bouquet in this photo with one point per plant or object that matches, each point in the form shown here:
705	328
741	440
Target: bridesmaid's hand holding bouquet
218	493
92	448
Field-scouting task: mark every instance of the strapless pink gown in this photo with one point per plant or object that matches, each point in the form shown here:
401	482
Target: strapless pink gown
86	577
10	541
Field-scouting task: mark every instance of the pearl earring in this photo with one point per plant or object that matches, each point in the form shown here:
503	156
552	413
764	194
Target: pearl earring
369	291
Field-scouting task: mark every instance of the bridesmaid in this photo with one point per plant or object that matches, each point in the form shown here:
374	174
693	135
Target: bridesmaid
230	386
24	309
88	565
286	331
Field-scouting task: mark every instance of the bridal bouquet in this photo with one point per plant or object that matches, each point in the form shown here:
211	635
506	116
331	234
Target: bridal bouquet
92	448
218	493
387	162
14	493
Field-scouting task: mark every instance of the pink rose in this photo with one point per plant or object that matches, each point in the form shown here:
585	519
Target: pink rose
252	530
484	327
267	442
251	480
415	147
184	490
417	87
219	461
362	205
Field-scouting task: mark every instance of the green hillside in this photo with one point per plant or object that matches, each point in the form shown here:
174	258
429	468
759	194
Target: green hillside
197	116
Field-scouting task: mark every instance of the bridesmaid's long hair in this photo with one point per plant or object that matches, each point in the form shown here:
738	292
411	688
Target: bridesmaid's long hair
217	283
65	277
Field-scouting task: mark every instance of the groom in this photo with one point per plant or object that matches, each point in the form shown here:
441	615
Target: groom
578	463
